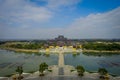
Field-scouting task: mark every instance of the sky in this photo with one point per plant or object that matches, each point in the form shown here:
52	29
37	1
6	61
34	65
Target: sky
46	19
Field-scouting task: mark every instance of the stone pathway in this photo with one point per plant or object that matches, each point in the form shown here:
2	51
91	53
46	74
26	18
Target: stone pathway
61	63
61	59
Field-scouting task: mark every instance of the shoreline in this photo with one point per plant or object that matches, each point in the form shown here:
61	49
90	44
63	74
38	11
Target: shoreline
21	50
35	74
102	51
37	51
53	68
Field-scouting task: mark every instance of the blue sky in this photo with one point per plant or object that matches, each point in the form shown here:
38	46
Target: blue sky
44	19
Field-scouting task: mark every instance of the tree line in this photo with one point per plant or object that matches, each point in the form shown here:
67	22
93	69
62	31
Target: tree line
101	46
25	45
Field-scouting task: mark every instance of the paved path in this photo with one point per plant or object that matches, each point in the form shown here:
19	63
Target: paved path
61	63
61	71
61	59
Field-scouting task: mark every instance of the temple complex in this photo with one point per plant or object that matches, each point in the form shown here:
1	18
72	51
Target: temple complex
60	41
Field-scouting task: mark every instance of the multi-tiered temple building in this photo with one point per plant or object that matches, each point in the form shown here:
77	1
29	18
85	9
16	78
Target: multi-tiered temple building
61	41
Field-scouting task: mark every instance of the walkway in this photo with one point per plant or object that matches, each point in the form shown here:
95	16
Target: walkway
61	63
61	59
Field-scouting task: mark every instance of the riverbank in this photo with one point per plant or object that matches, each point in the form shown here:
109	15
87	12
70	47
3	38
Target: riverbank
100	51
37	50
21	50
54	75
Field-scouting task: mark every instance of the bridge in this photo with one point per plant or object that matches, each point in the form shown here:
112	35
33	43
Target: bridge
61	63
61	59
62	68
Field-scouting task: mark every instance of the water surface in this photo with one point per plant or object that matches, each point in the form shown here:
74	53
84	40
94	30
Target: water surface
93	62
9	60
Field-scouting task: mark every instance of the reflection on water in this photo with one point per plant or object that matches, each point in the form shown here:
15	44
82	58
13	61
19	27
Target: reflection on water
100	54
10	60
93	61
10	65
2	65
107	64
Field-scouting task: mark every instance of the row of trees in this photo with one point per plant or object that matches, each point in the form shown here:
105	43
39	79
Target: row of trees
102	71
42	67
101	46
80	69
27	46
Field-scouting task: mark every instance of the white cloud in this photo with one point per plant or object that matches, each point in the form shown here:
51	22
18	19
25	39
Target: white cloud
34	14
61	3
23	11
21	14
100	25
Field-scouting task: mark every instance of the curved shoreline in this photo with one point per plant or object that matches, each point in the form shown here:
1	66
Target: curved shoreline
37	50
21	50
102	51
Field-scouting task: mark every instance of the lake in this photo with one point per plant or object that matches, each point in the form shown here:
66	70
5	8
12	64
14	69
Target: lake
93	62
9	60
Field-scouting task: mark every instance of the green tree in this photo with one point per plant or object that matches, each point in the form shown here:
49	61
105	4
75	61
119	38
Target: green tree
19	70
102	72
42	67
80	70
